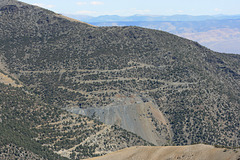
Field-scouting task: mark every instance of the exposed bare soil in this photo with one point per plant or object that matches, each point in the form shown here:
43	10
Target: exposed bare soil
191	152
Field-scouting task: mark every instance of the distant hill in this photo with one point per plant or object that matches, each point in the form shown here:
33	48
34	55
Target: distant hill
166	89
198	28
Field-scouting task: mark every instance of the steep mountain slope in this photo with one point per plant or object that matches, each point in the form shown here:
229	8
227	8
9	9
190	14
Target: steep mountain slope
30	128
200	151
69	64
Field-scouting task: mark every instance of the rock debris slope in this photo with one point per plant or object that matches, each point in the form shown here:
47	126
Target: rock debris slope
137	114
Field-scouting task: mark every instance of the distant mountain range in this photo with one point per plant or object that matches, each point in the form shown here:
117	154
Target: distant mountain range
134	18
220	32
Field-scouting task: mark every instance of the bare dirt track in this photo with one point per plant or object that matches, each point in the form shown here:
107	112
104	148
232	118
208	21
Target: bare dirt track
193	152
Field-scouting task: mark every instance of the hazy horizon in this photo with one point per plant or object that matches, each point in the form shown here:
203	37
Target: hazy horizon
215	15
140	7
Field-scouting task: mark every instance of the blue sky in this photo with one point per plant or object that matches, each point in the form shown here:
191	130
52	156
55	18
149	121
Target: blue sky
145	7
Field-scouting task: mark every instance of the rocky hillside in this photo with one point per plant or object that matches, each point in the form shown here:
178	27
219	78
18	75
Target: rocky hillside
70	64
32	129
200	151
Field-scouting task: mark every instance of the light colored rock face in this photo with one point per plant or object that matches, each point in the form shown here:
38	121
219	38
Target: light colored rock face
134	113
8	80
194	152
